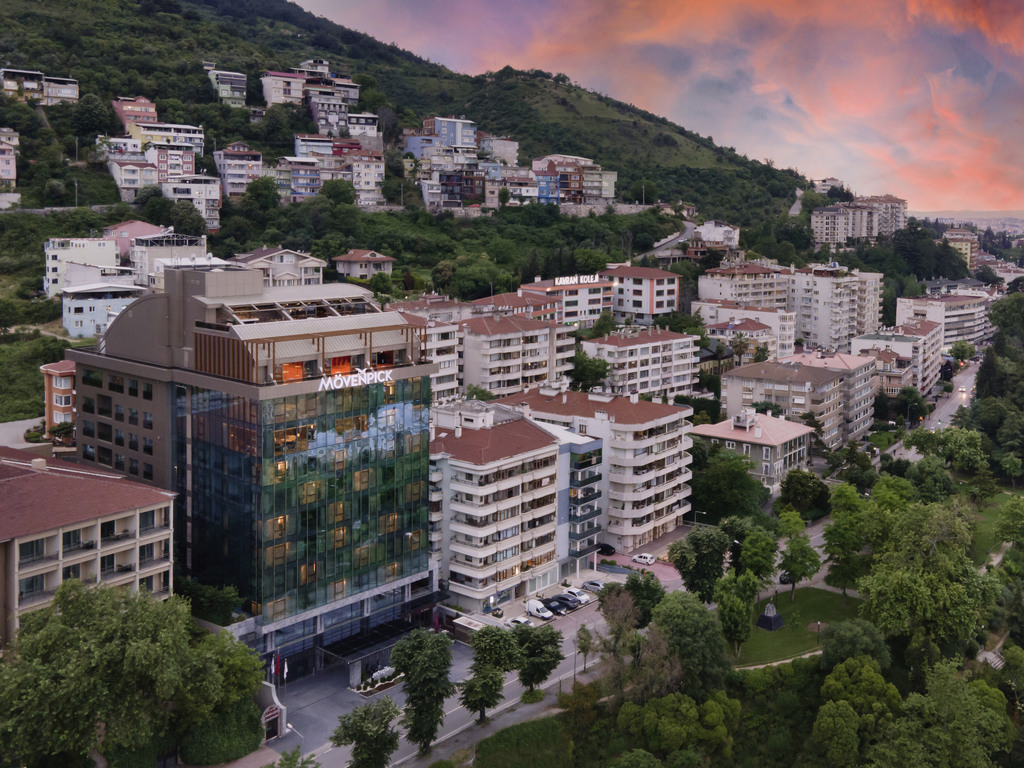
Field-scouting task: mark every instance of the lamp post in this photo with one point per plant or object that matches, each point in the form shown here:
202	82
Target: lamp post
76	192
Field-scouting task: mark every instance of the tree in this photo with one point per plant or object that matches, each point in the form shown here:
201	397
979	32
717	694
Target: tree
495	648
646	592
503	197
987	381
473	392
699	558
734	612
982	486
835	728
726	487
931	479
761	354
695	636
91	115
859	682
584	643
369	730
799	559
854	637
962	350
381	284
740	345
805	492
845	538
339	191
618	610
603	326
294	759
636	758
587	372
758	555
1010	523
541	653
186	219
79	677
482	691
425	659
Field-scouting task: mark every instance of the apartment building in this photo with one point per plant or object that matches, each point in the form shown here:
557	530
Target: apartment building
507	354
298	178
647	361
148	251
59	252
283	267
135	109
363	264
230	86
125	232
87	309
965	242
963	318
27	85
757	336
833	303
190	136
202	191
917	342
822	186
781	322
170	160
60	521
581	298
745	283
529	305
499	148
238	165
365	169
642	294
8	164
837	225
858	386
775	446
300	417
890	212
329	112
363	124
282	87
439	345
496	474
794	389
58	392
718	234
644	466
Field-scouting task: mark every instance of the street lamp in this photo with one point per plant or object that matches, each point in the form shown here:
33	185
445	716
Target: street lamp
302	739
76	192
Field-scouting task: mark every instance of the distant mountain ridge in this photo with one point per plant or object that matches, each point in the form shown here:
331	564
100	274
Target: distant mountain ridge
1008	221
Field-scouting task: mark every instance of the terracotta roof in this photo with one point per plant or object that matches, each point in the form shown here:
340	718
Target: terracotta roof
647	336
746	324
782	372
915	327
572	403
773	431
515	300
644	272
838	360
35	500
59	368
484	446
743	269
499	324
358	254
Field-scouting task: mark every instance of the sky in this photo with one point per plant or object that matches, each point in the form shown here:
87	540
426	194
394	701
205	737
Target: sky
923	99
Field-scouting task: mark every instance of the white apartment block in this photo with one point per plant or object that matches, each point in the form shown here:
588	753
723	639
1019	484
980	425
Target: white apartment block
890	212
506	355
836	225
645	457
330	112
754	285
858	385
501	149
494	501
237	165
88	309
366	172
190	136
581	298
363	124
919	342
642	294
58	252
647	361
718	234
200	190
440	345
782	322
172	247
793	389
963	318
833	304
757	335
282	87
130	176
822	186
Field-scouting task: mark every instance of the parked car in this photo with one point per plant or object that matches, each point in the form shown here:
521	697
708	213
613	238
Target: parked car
567	601
785	578
518	620
537	609
579	594
605	549
594	585
646	558
553	605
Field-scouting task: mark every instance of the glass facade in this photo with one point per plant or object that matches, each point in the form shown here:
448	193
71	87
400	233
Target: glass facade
305	500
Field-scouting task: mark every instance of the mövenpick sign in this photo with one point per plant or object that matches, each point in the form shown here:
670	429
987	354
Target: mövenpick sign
360	377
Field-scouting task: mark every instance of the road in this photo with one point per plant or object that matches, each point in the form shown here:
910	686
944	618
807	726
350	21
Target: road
794	209
947	406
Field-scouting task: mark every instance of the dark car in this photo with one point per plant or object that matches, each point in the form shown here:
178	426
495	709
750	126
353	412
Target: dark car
553	605
605	549
785	578
568	601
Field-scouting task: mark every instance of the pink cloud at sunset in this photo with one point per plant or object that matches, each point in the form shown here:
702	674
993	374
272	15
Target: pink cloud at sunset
920	98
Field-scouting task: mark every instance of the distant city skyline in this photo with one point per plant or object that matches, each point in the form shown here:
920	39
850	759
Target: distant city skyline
923	99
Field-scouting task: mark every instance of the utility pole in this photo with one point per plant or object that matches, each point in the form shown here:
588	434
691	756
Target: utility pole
76	192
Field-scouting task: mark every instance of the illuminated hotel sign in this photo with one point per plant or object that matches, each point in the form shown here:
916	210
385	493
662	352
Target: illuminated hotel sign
360	377
577	279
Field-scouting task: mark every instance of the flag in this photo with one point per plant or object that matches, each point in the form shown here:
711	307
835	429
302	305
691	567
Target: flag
286	669
277	663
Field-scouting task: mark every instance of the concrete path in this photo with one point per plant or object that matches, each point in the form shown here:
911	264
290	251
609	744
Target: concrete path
12	433
794	210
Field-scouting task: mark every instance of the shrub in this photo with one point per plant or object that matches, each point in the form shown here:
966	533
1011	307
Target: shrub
226	736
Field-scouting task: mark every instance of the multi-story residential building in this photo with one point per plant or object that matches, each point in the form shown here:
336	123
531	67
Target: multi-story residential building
598	184
363	124
330	113
135	109
794	389
202	191
963	318
718	234
642	294
309	144
451	131
496	474
436	307
499	148
131	176
775	446
890	212
10	136
833	303
837	225
88	309
520	182
238	165
171	160
581	298
858	387
230	86
363	264
124	232
58	252
148	251
283	267
365	169
58	392
8	165
644	470
297	178
756	334
176	134
59	522
282	87
822	186
647	361
965	242
26	84
559	181
293	424
918	342
439	346
529	305
893	370
747	284
507	354
781	322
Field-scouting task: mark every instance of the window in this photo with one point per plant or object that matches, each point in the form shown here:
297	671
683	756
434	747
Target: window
62	400
147	520
71	540
88	428
88	405
30	586
104	432
133	387
106	564
147	420
147	471
147	445
116	384
30	551
118	436
133	416
133	466
118	412
104	405
133	441
147	391
71	572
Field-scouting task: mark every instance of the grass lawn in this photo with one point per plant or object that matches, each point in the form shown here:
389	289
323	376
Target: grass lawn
985	536
538	744
794	638
882	439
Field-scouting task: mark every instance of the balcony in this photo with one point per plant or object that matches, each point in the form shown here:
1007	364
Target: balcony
114	537
583	551
585	534
581	479
582	514
35	598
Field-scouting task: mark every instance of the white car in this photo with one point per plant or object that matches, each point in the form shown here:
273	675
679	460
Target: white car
536	608
579	594
645	558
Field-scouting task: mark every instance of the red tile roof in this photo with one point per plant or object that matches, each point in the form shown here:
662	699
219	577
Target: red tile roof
571	403
515	300
484	446
639	338
767	430
500	324
746	324
35	500
358	254
643	272
59	368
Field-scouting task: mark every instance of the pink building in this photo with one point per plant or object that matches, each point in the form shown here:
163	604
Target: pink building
126	231
136	109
